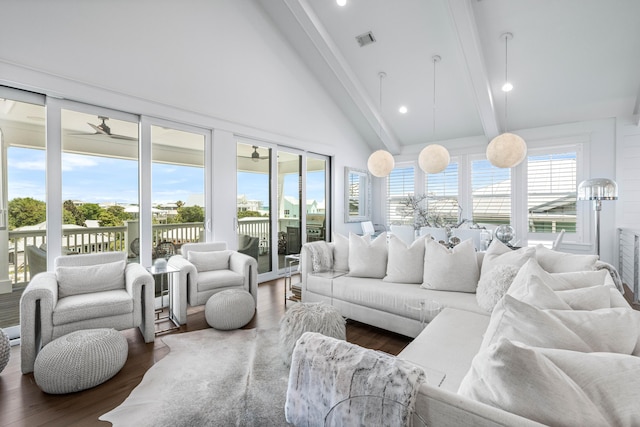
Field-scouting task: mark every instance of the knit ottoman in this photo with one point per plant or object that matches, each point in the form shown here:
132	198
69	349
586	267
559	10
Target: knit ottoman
309	317
5	349
230	309
80	360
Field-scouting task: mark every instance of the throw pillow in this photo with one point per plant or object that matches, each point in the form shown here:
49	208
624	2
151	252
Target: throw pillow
450	269
405	263
529	287
555	387
561	262
499	253
592	298
367	258
209	260
78	280
494	285
341	252
580	279
614	330
321	256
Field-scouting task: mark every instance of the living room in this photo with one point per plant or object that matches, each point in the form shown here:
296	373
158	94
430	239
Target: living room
289	76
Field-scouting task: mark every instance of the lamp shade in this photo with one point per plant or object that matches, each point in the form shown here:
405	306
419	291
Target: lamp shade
598	189
380	163
507	150
433	158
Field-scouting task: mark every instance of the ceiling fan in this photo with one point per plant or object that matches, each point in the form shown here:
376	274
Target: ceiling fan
103	129
255	156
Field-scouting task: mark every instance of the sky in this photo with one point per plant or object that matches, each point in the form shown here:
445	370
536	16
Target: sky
104	180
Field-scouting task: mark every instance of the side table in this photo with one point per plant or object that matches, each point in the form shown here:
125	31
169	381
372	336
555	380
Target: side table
168	277
291	261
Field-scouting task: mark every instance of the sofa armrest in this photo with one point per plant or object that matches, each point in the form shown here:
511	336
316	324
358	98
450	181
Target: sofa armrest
140	284
248	267
306	264
188	277
36	317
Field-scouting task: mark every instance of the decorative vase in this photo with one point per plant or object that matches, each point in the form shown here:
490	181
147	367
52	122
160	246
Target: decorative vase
505	233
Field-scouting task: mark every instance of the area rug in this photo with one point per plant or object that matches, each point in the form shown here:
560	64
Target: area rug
211	378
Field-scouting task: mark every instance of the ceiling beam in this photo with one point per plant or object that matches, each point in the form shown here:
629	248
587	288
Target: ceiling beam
326	47
464	25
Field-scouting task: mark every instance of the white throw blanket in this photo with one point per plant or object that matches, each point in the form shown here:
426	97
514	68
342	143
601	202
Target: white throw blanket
321	256
325	371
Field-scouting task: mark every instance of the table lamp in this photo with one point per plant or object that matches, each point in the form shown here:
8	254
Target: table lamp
597	190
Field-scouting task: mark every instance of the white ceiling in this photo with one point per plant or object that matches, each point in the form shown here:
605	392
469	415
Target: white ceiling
569	60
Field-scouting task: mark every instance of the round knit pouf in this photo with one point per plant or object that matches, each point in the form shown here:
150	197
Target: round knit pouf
80	360
5	349
230	309
309	317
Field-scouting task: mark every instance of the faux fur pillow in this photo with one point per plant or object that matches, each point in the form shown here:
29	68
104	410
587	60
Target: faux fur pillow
493	285
321	256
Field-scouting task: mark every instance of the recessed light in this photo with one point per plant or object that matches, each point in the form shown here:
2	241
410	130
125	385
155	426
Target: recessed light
403	109
507	87
341	2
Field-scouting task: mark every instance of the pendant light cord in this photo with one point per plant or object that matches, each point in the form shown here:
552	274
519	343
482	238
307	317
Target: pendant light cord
382	75
433	125
506	80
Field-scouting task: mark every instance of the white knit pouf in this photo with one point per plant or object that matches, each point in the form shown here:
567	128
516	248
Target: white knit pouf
309	317
230	309
5	349
80	360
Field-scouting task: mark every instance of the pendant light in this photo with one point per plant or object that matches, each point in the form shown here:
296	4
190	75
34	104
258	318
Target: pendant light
508	149
434	158
380	162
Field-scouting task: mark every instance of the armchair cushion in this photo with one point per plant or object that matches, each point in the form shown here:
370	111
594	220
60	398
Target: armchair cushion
216	279
76	280
82	307
210	260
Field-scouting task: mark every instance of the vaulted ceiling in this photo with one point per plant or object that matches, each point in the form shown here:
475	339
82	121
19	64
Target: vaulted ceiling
569	60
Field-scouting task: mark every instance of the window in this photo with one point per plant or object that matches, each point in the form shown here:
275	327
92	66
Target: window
400	183
442	191
551	203
491	193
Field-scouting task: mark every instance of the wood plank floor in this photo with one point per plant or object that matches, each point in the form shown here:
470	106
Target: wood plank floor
22	403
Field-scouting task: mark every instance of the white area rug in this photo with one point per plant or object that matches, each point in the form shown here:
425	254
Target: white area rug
211	378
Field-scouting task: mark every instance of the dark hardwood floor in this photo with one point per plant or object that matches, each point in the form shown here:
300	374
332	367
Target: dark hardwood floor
22	403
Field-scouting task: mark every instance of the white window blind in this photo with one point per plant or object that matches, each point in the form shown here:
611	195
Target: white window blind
400	183
442	191
491	193
552	193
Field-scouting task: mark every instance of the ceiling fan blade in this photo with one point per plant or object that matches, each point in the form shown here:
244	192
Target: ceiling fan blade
127	138
97	129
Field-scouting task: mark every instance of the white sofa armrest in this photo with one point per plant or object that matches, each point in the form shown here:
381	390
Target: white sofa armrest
140	285
247	266
36	317
188	275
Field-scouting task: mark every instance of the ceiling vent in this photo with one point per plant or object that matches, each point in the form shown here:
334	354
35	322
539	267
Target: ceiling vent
365	39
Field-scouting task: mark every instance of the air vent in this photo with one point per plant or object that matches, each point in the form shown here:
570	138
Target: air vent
365	39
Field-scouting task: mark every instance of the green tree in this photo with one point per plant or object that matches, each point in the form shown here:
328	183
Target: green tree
190	214
90	210
67	217
26	211
76	214
108	219
245	214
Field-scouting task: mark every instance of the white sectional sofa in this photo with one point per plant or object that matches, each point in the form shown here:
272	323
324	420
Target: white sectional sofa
459	346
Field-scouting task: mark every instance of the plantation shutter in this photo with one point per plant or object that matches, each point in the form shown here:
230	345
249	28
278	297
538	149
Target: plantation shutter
442	191
491	193
400	183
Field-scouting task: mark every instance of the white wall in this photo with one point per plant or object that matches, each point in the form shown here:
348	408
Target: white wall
217	64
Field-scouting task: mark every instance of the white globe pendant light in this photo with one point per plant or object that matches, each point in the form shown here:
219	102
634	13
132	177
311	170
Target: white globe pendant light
434	158
380	163
507	150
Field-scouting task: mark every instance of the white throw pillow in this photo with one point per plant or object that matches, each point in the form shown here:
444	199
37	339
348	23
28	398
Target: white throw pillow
534	292
341	252
494	285
321	256
614	330
450	269
405	263
592	298
562	262
580	279
78	280
367	258
556	387
209	260
499	253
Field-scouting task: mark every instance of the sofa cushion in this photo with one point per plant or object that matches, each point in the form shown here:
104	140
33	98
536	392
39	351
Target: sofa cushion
215	279
493	285
209	260
77	308
341	252
614	330
450	269
560	387
367	258
562	262
76	280
499	253
405	263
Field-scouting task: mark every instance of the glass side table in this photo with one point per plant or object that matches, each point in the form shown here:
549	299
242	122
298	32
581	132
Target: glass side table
292	292
427	310
168	277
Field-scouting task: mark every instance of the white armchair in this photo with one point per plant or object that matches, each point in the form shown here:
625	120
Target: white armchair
208	268
86	291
